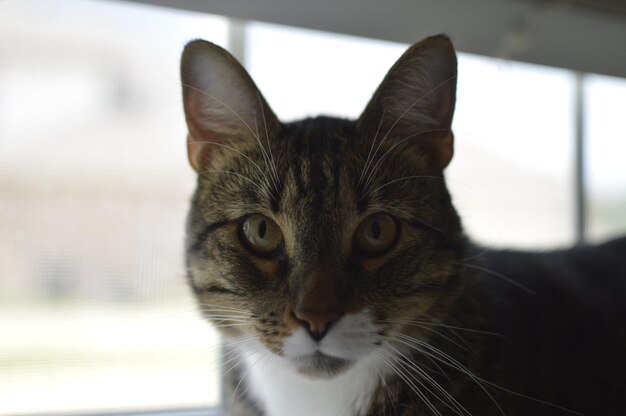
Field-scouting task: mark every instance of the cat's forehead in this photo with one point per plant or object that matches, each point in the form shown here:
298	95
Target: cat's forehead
319	170
313	137
316	158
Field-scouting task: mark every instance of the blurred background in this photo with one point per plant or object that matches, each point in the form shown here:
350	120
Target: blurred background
94	181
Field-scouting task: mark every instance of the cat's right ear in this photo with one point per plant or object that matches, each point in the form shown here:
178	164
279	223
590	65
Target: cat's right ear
223	107
415	102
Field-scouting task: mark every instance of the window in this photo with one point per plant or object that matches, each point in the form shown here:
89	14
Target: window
94	184
605	149
512	176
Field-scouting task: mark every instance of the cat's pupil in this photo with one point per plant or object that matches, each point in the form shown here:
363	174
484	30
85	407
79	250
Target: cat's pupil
376	230
262	229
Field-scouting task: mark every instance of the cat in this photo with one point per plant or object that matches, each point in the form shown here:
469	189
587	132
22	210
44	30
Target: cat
329	255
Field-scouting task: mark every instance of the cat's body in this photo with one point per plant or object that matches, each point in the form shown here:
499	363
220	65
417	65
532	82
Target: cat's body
330	256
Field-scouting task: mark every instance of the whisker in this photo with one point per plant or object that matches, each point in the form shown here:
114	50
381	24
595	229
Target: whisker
221	320
479	255
384	156
266	158
499	275
238	341
407	380
386	388
534	399
445	359
437	386
435	88
230	312
372	192
458	328
256	185
367	161
432	90
205	304
221	103
266	179
395	210
229	325
234	395
226	314
479	380
269	146
256	137
418	325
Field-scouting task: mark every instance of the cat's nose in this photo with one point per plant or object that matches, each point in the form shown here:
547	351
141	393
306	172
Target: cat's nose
316	322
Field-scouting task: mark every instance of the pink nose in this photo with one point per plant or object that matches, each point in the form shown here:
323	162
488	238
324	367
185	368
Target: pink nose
317	322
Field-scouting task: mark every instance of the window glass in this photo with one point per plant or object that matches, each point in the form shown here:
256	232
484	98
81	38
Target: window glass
512	176
94	184
306	73
605	147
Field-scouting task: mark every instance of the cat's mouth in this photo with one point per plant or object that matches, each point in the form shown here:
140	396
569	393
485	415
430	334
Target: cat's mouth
320	365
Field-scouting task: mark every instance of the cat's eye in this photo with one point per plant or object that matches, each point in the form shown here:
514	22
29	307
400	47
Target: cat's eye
260	234
376	233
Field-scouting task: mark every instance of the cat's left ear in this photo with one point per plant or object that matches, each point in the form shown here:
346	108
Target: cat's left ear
415	102
223	107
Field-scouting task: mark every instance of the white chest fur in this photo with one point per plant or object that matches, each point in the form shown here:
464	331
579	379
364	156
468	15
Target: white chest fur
283	392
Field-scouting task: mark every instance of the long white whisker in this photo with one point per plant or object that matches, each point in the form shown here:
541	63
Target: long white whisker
413	365
479	380
380	160
386	388
266	158
223	104
407	379
444	358
229	319
266	180
367	161
222	309
371	192
417	102
256	185
255	135
499	275
269	146
409	108
226	312
234	396
415	324
396	210
215	305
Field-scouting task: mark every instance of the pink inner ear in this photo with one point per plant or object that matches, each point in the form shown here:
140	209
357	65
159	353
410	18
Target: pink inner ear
199	146
196	153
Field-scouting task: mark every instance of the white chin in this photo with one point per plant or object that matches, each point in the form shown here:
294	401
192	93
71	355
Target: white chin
319	365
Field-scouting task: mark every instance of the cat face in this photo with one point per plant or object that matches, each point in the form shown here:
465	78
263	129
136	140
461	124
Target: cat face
321	241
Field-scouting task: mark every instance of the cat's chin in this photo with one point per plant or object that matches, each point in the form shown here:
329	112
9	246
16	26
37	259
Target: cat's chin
320	366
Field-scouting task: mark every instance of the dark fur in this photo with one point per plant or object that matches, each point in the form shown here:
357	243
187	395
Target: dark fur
547	329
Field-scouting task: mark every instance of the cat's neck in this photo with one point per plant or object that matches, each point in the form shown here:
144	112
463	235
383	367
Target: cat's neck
280	391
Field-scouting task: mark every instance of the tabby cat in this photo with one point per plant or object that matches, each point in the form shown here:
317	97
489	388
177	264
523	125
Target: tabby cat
329	255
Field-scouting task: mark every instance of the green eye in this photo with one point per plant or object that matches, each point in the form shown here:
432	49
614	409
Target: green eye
376	233
260	234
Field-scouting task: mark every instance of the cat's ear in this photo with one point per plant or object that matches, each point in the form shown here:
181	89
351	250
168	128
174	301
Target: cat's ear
415	101
223	107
